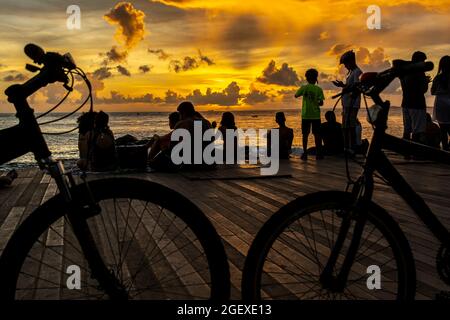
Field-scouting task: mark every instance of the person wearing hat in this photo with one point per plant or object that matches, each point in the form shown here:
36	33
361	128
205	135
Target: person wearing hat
350	102
414	107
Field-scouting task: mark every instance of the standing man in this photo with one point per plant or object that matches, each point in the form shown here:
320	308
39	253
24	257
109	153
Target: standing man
414	87
350	102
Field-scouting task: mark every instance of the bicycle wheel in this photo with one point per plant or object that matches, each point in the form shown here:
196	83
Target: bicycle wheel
157	243
287	257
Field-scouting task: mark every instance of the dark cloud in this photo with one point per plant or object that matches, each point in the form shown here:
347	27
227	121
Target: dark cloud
372	61
118	98
114	55
190	63
160	53
123	71
172	97
205	59
102	73
287	95
130	23
227	97
255	96
145	68
284	76
15	77
187	64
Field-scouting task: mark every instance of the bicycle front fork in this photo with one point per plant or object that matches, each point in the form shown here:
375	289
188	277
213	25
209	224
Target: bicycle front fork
357	212
80	207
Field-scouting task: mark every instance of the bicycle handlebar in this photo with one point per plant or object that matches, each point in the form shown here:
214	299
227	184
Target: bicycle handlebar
54	69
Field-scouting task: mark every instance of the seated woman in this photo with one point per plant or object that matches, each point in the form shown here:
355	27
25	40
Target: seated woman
103	150
96	143
85	127
286	136
158	143
228	123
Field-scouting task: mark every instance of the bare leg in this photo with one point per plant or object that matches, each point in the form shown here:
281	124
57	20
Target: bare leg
318	141
305	147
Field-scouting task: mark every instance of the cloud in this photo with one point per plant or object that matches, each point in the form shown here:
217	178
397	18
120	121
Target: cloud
372	61
190	63
255	96
187	64
130	23
284	76
339	49
16	77
227	97
119	98
115	55
172	97
102	73
205	59
145	68
123	71
287	95
160	53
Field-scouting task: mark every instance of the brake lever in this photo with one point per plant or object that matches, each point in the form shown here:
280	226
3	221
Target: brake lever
32	68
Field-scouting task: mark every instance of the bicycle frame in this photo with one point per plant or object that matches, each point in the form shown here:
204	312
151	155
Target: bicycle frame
376	160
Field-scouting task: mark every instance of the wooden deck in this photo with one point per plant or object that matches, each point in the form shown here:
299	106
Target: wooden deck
238	203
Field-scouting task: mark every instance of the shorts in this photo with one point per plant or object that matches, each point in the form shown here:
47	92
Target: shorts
352	118
414	121
308	123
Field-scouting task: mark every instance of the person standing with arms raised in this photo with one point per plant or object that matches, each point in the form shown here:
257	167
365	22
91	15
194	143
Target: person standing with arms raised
414	106
350	102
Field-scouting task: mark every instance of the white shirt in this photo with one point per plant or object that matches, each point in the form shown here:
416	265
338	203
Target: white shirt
352	78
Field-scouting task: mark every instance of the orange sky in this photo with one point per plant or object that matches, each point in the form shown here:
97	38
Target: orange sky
148	55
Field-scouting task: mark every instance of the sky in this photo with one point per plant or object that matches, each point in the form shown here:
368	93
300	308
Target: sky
222	55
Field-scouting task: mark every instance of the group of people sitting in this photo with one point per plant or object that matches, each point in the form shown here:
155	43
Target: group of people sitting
98	147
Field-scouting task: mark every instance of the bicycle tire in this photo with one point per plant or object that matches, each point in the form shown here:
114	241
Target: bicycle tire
254	272
43	219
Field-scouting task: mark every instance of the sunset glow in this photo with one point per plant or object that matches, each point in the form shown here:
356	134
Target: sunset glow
222	54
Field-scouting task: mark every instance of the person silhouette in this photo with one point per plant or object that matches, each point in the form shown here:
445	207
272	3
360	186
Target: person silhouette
332	135
286	136
312	100
350	103
414	86
441	89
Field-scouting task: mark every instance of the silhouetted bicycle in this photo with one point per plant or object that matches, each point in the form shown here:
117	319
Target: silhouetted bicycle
129	238
322	245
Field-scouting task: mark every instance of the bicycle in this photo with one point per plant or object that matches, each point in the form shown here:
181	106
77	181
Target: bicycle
321	245
130	238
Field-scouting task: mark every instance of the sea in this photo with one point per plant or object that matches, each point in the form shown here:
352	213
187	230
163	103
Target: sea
146	124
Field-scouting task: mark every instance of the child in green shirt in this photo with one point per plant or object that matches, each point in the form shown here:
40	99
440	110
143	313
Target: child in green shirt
312	100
